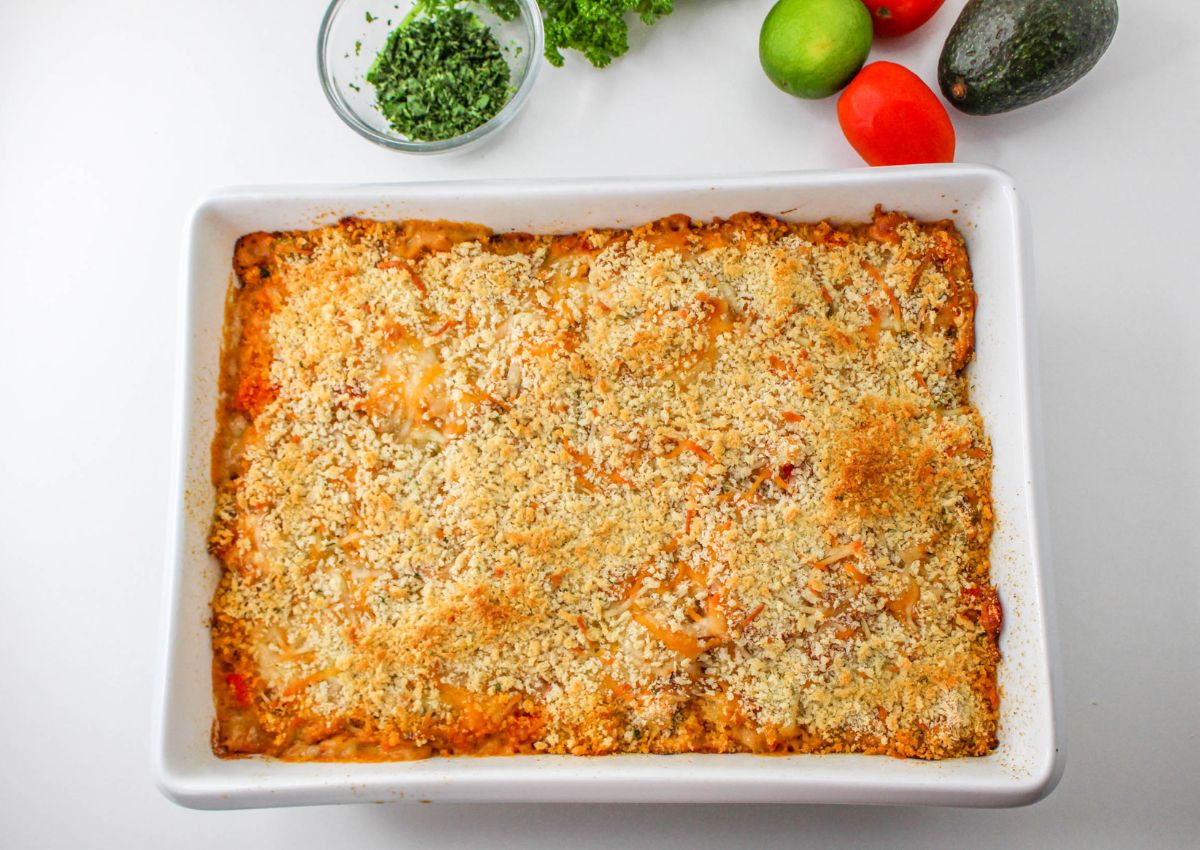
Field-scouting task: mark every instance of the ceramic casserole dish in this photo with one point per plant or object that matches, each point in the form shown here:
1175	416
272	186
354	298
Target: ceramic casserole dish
983	204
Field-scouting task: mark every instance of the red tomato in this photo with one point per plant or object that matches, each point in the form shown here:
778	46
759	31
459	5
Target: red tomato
892	118
900	17
241	691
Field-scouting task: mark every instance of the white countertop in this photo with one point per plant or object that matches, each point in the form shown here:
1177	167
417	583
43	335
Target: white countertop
115	118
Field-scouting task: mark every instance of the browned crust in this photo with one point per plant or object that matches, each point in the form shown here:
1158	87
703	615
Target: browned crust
876	478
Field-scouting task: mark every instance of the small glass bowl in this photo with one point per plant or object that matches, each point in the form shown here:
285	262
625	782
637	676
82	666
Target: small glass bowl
354	31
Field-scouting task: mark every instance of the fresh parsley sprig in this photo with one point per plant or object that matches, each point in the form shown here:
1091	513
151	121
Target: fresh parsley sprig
596	28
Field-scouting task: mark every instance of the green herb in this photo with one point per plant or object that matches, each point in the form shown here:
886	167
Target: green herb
506	9
371	18
440	74
596	28
357	48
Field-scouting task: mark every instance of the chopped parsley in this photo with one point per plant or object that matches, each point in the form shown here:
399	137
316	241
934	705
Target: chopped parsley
440	74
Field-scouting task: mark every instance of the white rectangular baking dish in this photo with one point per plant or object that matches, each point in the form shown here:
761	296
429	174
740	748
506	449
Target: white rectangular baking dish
981	200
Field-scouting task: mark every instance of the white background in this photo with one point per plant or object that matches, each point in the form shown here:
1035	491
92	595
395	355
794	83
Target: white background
116	117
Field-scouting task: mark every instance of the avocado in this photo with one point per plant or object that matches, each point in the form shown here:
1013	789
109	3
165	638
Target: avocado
1004	54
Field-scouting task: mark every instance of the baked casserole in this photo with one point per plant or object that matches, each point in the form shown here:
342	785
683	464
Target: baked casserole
688	487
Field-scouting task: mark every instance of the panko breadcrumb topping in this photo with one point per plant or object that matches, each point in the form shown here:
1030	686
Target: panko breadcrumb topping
688	487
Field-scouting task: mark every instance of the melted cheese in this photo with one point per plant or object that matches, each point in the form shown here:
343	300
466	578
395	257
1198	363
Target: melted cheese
689	487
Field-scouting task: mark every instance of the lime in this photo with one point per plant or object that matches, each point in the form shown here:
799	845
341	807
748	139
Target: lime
812	48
